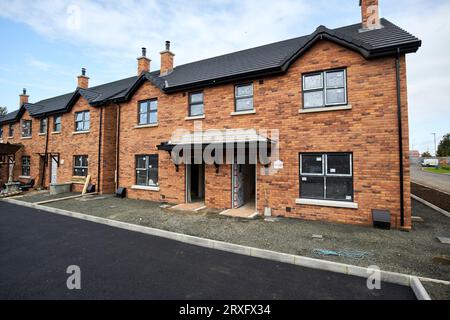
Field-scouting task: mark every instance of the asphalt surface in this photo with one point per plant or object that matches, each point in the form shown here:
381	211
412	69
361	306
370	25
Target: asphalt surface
436	181
37	247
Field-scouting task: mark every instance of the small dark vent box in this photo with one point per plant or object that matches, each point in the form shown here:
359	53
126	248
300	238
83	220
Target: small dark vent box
381	219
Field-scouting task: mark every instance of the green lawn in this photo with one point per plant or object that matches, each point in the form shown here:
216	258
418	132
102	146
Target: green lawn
438	170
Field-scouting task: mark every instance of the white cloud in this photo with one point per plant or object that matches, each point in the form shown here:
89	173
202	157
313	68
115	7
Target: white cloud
198	29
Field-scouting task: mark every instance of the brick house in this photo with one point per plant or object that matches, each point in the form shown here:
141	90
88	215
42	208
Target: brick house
328	110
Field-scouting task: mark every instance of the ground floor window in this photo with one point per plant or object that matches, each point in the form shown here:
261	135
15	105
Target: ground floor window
80	166
326	176
26	163
147	170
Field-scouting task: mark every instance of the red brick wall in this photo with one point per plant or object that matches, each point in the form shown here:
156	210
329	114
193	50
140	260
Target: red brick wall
369	130
67	143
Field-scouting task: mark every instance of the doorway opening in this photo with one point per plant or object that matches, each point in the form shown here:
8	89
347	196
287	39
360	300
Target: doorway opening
244	186
195	183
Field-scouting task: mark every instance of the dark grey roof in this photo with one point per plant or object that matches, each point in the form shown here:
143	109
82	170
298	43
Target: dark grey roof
10	117
381	39
93	94
269	59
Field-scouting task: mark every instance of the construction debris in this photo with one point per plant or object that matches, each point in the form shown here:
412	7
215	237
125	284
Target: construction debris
444	240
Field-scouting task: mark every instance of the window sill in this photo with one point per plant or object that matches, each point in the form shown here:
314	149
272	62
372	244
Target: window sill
241	113
152	125
325	109
81	132
10	137
56	132
195	117
25	138
327	203
24	177
42	134
145	188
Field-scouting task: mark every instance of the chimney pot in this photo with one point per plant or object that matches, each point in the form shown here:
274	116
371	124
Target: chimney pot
166	60
83	80
143	62
23	97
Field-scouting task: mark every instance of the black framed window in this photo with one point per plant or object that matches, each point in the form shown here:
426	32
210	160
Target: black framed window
148	112
82	121
80	166
11	130
43	125
147	170
326	176
57	123
244	97
1	132
325	89
26	164
26	128
196	104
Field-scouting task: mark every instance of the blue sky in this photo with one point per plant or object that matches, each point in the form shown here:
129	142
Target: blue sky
45	43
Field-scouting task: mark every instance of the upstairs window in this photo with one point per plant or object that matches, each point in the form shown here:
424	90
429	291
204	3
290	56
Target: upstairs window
147	170
326	176
244	97
324	89
57	123
82	121
196	105
1	132
80	166
26	128
43	126
11	130
26	164
148	112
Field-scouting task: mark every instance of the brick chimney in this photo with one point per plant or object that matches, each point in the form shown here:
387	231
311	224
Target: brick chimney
166	60
23	97
83	80
370	15
143	62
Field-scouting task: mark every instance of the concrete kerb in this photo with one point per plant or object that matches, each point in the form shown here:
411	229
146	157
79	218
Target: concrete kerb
419	289
390	277
432	206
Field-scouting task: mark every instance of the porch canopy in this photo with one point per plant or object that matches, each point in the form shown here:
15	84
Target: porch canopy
7	152
228	138
218	142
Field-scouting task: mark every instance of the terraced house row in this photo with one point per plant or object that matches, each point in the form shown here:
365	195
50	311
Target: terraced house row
337	99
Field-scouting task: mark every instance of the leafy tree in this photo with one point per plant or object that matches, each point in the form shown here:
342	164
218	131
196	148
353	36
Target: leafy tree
426	155
3	111
444	146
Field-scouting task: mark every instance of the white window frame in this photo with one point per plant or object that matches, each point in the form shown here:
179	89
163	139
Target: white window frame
324	88
325	173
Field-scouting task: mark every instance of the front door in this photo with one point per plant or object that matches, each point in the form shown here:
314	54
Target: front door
54	173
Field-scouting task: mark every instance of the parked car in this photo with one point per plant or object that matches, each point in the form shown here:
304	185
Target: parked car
430	163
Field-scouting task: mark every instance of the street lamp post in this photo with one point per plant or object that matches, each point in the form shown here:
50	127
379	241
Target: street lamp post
435	149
